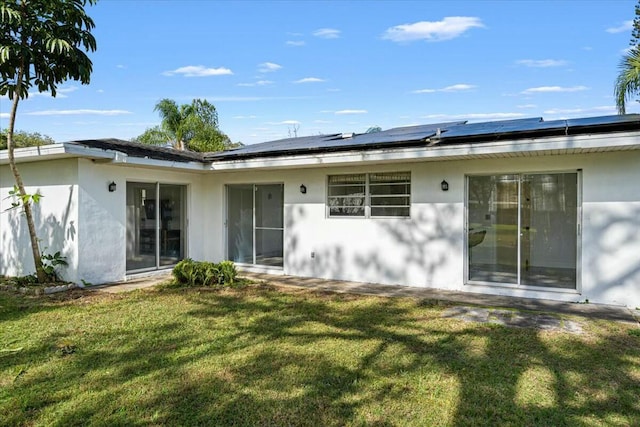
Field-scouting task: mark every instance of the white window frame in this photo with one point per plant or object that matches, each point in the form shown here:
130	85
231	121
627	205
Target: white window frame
367	196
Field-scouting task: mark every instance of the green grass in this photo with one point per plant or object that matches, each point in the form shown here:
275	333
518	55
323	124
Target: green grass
258	356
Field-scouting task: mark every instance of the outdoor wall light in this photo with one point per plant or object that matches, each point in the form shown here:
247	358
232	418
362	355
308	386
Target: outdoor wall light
444	185
303	189
112	187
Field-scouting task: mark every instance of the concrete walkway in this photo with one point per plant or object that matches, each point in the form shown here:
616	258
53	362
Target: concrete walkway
138	282
593	311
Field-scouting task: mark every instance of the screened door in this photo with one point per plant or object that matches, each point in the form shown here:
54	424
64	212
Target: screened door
255	222
523	229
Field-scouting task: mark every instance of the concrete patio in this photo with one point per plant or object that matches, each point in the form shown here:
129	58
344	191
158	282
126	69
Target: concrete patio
591	311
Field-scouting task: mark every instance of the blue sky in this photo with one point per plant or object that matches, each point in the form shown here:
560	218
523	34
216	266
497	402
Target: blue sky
328	67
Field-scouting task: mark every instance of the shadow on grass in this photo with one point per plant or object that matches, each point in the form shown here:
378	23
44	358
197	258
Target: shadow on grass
253	356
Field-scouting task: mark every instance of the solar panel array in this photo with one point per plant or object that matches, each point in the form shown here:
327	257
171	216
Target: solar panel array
440	133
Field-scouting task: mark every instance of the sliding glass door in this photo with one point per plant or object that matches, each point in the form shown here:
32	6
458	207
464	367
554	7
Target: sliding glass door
156	225
255	222
523	229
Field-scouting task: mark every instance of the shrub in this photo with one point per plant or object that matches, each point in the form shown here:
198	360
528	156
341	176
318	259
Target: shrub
228	272
202	273
182	270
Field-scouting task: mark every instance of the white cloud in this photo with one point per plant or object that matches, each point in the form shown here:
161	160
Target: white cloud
268	67
198	71
4	115
351	112
100	90
327	33
294	43
553	89
309	80
121	66
60	93
258	83
243	117
78	112
527	106
453	88
449	28
475	116
600	109
625	26
284	122
542	63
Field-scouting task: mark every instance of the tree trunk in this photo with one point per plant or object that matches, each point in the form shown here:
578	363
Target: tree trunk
26	204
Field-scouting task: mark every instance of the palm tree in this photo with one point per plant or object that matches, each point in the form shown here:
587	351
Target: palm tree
185	122
628	81
174	119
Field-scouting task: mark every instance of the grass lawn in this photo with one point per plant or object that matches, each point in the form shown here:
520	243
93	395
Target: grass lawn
259	356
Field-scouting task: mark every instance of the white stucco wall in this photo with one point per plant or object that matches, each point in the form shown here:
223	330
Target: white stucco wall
55	217
428	248
102	216
80	217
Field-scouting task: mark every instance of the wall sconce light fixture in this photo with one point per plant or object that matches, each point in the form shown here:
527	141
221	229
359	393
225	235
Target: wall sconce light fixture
303	189
444	185
112	187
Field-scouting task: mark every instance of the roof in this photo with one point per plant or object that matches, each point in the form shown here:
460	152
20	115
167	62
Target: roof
448	133
432	134
136	149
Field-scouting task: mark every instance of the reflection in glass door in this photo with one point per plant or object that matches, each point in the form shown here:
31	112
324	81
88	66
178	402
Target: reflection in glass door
522	229
141	225
156	218
548	230
255	222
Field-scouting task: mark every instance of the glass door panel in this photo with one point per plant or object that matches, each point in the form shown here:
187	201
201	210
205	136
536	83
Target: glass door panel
493	228
548	230
255	220
141	226
522	229
269	201
240	223
269	247
172	223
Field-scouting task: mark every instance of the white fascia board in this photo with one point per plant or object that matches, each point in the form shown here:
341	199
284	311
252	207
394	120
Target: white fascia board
65	150
124	160
559	144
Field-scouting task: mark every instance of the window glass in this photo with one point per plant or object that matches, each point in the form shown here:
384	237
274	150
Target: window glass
387	194
347	195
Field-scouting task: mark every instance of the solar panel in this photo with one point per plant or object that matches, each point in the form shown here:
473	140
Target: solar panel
336	141
400	136
603	120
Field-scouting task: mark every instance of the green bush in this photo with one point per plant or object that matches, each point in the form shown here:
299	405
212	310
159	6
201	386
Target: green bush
228	272
202	273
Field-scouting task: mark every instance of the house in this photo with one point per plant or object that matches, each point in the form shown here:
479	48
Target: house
530	208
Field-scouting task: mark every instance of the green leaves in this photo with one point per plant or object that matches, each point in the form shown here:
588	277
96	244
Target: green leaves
42	44
22	199
628	81
8	15
59	46
188	126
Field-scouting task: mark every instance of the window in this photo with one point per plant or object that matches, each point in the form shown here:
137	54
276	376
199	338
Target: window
382	194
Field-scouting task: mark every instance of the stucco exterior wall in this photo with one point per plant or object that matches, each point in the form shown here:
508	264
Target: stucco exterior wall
102	216
55	217
78	216
427	250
